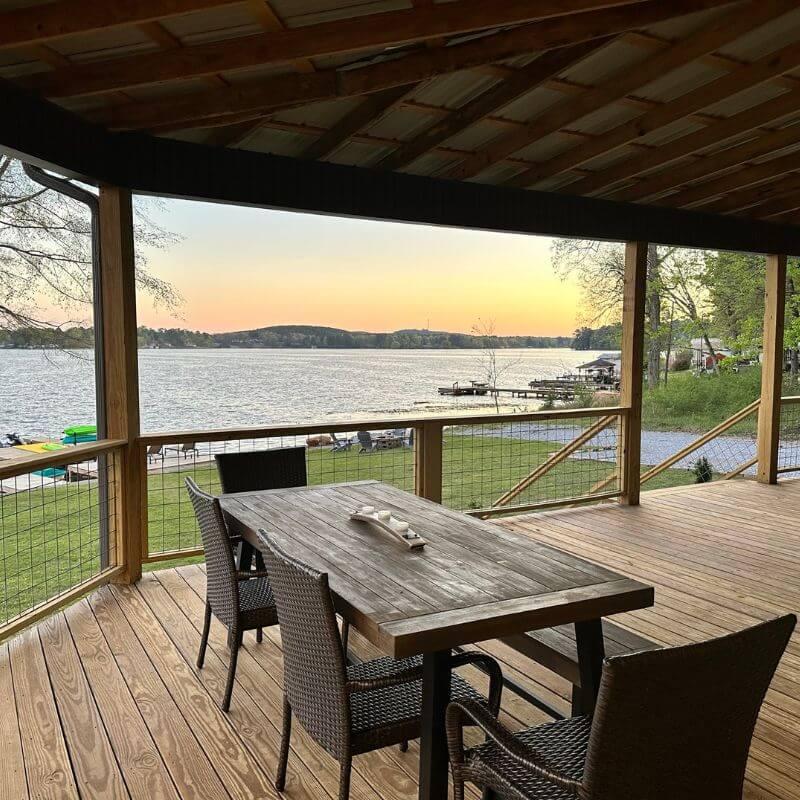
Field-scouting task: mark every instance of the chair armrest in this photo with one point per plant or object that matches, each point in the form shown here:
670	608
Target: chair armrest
490	667
459	712
398	678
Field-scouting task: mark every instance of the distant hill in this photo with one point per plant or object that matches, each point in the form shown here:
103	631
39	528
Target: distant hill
322	337
299	336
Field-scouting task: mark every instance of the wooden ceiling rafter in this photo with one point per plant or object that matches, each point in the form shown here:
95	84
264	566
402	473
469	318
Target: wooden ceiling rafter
498	96
157	33
350	35
761	144
314	132
622	82
786	204
369	111
43	23
743	177
758	72
756	117
751	200
283	91
269	21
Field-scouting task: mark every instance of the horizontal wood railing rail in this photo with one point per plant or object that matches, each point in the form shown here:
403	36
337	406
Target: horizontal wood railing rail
72	454
294	429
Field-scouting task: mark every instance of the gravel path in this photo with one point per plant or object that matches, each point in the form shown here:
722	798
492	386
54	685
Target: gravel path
724	453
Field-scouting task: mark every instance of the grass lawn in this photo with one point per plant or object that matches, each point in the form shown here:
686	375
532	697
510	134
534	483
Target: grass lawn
49	537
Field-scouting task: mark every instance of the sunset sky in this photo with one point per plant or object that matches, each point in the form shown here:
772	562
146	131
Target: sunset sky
240	268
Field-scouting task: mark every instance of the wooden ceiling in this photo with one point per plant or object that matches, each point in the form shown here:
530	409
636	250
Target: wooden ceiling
691	105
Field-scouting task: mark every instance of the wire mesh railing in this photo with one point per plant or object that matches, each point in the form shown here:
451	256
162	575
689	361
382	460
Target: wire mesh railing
492	467
333	457
488	465
57	533
729	450
789	438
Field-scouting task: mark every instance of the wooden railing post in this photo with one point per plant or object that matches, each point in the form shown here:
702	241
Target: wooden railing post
769	413
121	375
428	461
633	304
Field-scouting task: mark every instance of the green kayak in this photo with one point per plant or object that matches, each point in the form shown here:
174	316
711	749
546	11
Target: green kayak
81	430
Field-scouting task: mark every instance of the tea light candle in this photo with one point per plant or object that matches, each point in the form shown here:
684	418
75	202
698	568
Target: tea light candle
401	526
384	516
367	509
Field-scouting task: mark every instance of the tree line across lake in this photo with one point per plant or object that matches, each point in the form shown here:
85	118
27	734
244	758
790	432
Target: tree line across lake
304	336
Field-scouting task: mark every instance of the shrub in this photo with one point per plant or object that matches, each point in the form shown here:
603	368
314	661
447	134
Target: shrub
681	361
702	470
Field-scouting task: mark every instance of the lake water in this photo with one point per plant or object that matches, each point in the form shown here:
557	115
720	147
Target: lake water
42	393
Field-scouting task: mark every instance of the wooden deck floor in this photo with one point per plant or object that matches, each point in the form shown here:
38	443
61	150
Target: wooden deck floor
104	701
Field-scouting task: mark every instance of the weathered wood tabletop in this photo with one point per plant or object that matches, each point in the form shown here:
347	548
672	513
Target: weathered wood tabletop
472	580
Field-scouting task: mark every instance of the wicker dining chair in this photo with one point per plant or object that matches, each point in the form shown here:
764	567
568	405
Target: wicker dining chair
242	601
672	724
253	470
353	709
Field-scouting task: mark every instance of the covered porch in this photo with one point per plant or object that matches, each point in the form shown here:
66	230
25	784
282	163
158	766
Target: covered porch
103	699
636	121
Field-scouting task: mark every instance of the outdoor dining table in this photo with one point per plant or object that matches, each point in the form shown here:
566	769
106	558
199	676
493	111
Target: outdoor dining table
472	581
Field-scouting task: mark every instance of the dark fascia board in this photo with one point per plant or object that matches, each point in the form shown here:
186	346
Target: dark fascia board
56	139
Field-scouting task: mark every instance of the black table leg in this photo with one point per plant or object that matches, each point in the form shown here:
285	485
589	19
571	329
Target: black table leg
591	652
433	757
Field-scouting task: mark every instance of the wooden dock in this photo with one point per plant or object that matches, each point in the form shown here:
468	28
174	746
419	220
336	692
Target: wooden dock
544	389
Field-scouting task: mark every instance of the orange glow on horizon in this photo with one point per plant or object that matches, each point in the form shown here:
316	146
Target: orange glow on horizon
241	268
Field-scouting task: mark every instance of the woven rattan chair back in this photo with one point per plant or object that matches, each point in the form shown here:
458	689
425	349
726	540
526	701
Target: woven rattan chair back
315	674
222	588
677	723
262	469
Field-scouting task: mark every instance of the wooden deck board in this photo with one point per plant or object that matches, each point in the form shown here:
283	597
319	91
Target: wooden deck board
721	557
105	698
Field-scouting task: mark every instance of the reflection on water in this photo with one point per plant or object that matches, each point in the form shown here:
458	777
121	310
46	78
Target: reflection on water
41	393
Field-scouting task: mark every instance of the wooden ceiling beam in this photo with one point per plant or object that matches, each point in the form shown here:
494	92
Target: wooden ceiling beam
496	97
41	23
236	134
764	199
706	167
373	31
314	132
716	134
370	110
282	91
238	121
721	61
789	203
720	31
761	70
732	182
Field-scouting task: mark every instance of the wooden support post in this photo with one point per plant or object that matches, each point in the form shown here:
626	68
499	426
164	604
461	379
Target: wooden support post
633	303
428	461
120	363
769	413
